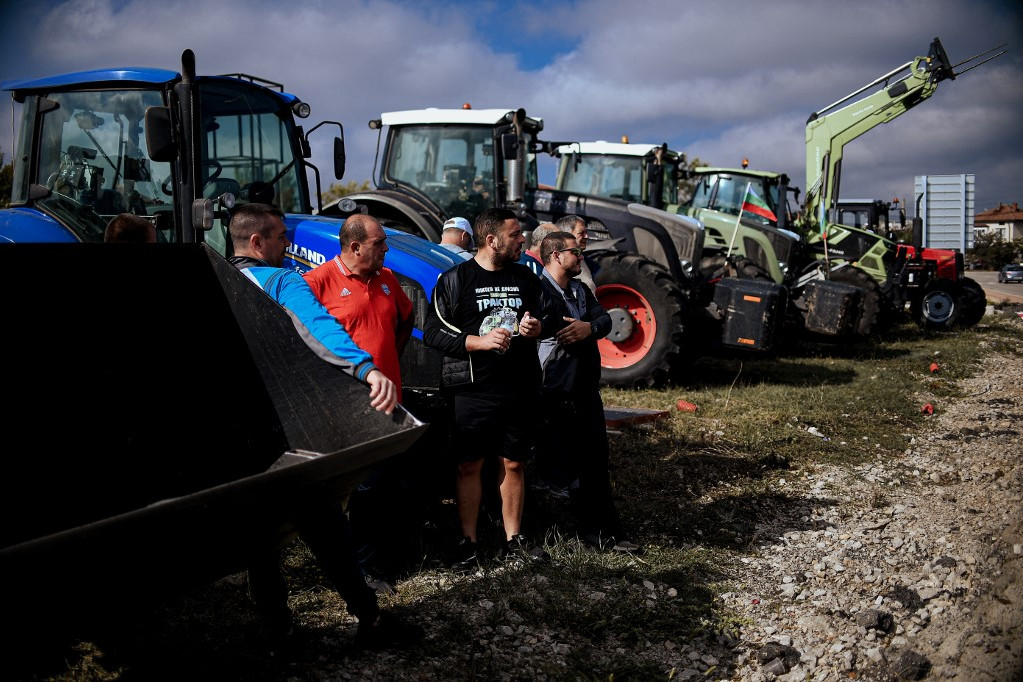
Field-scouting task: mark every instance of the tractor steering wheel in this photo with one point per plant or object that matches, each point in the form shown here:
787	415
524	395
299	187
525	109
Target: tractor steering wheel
212	163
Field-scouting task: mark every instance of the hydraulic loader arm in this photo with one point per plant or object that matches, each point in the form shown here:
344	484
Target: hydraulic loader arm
831	128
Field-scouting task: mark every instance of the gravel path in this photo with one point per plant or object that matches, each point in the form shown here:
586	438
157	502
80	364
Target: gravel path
913	566
908	567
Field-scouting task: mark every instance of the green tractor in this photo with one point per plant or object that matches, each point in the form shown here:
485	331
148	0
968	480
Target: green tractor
750	246
892	276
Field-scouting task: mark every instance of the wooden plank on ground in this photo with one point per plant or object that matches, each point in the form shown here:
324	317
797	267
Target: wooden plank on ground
616	417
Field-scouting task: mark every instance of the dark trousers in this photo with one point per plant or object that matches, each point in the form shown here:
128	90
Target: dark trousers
573	444
327	534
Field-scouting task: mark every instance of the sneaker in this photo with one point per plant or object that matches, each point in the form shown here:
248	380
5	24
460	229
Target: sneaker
520	549
379	585
626	546
388	630
467	554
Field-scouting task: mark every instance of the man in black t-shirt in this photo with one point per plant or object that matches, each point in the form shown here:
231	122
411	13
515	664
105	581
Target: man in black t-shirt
486	318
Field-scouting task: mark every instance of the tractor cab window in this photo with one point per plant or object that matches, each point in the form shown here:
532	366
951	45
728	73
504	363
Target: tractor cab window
453	166
616	177
248	146
725	193
248	151
93	158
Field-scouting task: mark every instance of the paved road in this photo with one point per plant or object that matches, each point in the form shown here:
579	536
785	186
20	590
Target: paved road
996	293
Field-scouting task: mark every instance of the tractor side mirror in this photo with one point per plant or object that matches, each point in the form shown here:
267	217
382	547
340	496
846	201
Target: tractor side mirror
339	158
160	134
510	145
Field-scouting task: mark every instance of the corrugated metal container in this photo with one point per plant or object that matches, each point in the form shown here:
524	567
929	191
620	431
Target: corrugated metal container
945	202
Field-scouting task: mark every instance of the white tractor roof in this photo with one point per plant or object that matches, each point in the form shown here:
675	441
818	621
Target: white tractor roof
458	116
613	148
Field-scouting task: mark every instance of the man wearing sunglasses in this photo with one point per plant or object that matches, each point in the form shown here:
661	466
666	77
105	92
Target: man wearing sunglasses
574	434
577	226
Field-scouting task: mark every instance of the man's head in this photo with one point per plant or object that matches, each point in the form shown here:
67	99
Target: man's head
541	231
458	231
499	236
561	254
577	226
258	231
128	227
363	244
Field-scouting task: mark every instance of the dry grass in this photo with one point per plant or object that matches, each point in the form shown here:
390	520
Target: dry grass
694	488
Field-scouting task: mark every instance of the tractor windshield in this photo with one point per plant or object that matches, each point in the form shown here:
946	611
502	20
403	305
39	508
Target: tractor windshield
725	192
452	165
615	177
92	156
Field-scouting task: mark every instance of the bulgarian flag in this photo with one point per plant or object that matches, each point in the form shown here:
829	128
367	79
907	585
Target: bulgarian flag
752	203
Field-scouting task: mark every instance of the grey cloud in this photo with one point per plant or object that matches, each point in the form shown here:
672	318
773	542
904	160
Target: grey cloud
721	82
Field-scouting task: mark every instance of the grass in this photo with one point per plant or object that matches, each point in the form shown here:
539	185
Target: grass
696	489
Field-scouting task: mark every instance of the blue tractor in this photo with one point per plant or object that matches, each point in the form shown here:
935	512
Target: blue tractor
142	363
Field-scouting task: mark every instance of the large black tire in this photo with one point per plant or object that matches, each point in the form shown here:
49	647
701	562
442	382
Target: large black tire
973	302
947	305
646	306
873	313
938	308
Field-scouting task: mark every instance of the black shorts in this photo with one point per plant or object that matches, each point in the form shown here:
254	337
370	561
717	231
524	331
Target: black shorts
490	425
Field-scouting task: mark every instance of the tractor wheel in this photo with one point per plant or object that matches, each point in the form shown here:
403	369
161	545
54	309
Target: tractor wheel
972	302
872	316
646	308
938	308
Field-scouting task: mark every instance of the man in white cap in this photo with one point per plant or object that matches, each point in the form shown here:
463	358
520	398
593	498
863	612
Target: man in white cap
457	236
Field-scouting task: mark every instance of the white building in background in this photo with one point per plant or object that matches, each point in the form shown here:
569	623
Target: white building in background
1005	221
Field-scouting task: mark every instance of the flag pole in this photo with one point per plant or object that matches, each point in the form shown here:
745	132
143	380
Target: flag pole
736	230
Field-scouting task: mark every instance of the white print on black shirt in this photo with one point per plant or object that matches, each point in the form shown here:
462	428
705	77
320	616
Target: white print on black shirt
498	297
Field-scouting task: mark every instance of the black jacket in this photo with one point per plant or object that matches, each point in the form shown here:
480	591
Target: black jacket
574	367
458	305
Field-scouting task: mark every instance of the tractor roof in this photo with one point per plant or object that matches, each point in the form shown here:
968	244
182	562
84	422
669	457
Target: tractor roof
612	148
456	116
771	175
132	76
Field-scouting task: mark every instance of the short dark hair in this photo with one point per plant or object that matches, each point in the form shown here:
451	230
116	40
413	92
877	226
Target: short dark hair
128	227
353	229
489	222
555	241
250	219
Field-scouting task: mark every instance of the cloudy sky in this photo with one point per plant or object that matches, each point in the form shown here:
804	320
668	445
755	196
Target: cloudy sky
720	81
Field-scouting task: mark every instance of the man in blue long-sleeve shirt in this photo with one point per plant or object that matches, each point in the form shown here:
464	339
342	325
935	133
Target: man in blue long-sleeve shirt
259	239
